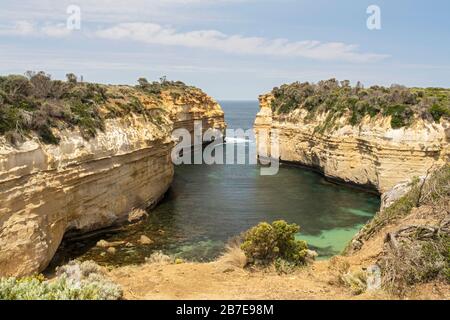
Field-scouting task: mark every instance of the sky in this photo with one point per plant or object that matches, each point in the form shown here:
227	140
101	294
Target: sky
232	49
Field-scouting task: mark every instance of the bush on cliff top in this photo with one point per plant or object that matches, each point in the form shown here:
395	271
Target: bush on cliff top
339	99
274	243
156	87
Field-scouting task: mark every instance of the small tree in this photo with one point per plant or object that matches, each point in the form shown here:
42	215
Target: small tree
267	243
143	83
71	78
42	84
16	84
30	74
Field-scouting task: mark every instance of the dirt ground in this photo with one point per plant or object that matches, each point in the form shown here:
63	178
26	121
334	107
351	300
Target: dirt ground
217	280
224	280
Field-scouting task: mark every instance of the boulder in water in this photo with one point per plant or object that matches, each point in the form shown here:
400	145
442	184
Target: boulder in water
144	240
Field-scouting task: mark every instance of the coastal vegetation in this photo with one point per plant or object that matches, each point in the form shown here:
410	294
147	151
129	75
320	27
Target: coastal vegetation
433	192
417	251
339	99
34	103
75	281
416	255
274	243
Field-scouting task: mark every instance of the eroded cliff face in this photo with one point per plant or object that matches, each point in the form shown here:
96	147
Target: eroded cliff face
82	185
371	154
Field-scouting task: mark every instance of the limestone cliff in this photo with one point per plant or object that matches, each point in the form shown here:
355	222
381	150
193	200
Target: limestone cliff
84	184
370	154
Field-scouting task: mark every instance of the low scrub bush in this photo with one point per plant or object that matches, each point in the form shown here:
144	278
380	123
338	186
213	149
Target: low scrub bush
76	281
415	259
267	243
339	98
38	104
35	103
434	191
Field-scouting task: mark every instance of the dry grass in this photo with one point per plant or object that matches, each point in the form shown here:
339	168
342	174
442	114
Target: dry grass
341	275
337	268
234	255
436	192
159	258
418	257
433	192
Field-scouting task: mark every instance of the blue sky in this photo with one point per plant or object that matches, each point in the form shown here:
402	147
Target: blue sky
233	49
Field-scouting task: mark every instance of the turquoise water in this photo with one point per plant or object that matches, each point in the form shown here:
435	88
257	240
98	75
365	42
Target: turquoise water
208	204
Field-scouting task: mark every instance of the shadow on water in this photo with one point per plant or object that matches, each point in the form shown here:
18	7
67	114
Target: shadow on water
209	204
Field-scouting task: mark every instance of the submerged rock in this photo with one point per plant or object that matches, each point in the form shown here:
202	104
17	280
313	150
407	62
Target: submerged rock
106	244
144	240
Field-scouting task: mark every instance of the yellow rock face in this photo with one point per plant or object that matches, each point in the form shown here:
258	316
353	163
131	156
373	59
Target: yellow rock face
371	154
81	185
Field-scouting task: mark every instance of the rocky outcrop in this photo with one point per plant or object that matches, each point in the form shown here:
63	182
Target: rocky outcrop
371	154
81	185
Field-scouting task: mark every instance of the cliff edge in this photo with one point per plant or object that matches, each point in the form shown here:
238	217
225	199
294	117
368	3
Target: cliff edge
83	160
376	138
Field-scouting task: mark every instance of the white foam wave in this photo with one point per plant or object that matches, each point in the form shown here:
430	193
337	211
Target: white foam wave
237	140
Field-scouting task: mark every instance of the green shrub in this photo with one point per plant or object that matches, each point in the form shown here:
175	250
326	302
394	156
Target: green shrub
47	135
438	111
401	115
284	267
87	118
266	243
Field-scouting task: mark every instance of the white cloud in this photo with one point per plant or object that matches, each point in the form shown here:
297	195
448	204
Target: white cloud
109	11
20	28
56	30
26	28
152	33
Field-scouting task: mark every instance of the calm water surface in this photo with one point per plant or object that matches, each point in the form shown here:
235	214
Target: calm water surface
207	205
